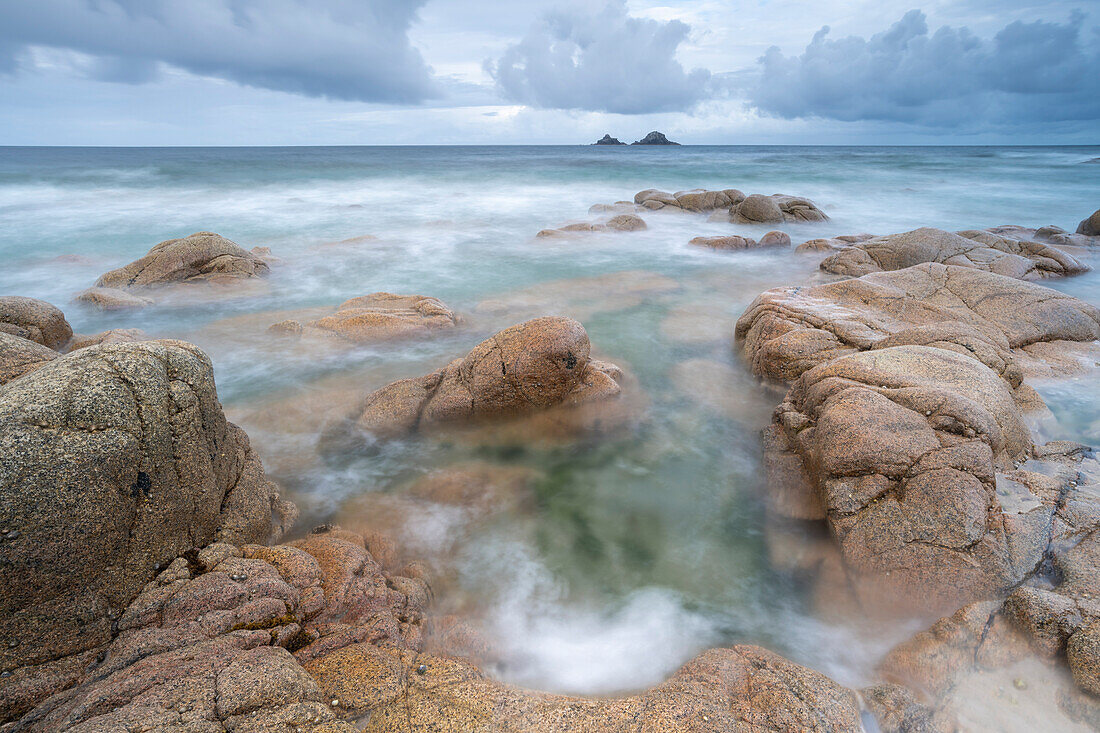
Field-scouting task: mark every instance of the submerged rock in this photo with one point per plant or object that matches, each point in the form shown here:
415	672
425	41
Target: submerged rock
977	249
113	459
832	244
112	299
618	223
381	317
203	257
654	138
608	140
735	242
34	320
537	365
110	336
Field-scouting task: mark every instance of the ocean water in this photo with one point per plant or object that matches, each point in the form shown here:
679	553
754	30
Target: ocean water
629	553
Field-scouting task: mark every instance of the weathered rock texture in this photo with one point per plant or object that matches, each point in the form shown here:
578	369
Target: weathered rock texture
200	257
743	688
1090	227
774	209
379	317
618	223
832	244
308	635
217	642
734	242
535	366
113	460
19	356
788	330
34	320
904	424
695	200
977	249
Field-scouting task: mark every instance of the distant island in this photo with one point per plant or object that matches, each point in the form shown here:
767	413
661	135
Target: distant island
653	138
608	140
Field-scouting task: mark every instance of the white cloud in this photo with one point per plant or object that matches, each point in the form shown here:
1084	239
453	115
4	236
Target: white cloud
603	60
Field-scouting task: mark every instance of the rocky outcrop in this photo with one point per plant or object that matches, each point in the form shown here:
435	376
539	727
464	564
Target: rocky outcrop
608	140
734	242
787	331
308	635
654	138
774	209
226	639
536	366
740	688
203	257
114	460
832	244
19	356
618	223
976	249
34	320
695	200
378	317
1090	227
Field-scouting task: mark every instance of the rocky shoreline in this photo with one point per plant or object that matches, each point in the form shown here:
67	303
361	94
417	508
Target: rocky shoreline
145	587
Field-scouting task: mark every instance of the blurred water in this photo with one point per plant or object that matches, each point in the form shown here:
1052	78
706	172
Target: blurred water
633	552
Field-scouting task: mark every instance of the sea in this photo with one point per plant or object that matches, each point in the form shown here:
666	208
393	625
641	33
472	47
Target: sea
630	551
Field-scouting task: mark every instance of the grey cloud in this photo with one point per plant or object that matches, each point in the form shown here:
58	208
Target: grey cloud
602	60
1028	72
341	49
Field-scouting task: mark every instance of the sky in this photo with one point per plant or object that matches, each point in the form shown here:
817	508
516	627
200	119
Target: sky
406	72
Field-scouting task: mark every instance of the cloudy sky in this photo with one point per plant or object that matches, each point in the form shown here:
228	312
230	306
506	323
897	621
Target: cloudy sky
308	72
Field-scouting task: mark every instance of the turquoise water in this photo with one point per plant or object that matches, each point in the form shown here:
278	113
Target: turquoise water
630	553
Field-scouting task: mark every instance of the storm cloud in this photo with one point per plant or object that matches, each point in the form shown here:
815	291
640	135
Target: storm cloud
600	60
1028	72
340	49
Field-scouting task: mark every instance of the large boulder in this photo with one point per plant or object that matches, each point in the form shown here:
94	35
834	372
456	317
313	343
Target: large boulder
977	249
34	320
1090	227
200	257
19	356
696	199
733	242
379	317
774	209
536	366
789	330
114	460
902	448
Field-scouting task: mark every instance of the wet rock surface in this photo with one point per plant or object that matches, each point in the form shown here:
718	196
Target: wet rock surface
113	459
619	223
774	209
201	258
1090	226
34	320
695	200
534	366
1025	260
377	317
735	242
